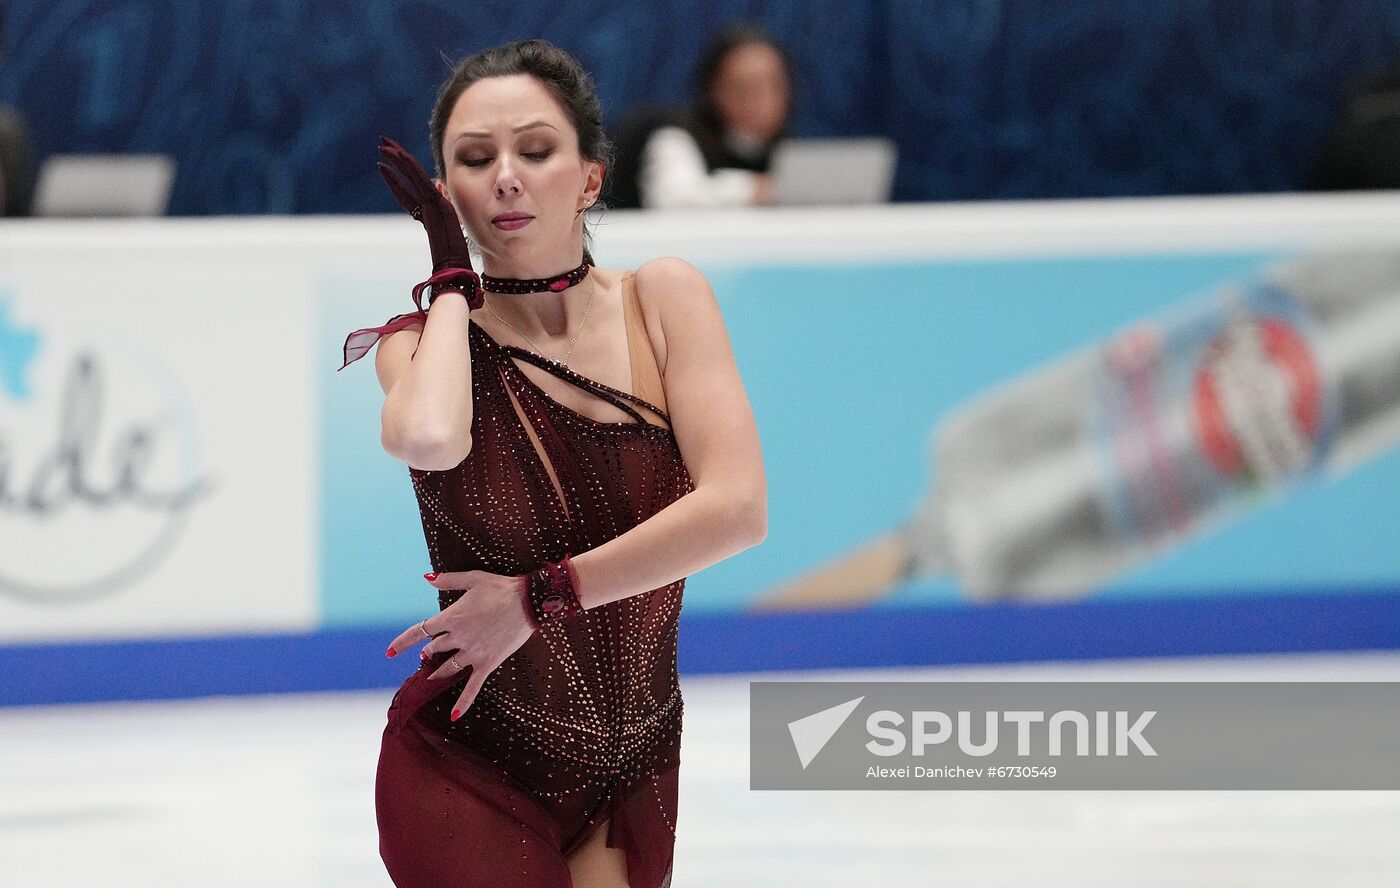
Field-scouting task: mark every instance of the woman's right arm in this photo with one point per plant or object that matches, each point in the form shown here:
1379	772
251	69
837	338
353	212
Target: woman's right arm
426	376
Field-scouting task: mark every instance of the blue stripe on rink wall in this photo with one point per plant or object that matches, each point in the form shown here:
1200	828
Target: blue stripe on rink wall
727	642
1006	633
200	667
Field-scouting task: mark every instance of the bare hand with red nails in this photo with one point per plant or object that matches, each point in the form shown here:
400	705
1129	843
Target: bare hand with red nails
416	193
477	632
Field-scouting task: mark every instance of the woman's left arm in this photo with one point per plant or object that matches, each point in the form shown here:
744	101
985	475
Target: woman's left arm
727	512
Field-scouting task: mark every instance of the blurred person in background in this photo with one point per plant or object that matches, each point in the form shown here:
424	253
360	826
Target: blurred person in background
16	162
717	152
1362	149
579	441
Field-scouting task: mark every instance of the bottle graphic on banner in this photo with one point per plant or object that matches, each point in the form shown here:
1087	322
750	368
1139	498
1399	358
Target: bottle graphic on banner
1056	482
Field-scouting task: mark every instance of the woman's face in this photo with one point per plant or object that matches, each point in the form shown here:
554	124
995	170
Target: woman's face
750	91
512	170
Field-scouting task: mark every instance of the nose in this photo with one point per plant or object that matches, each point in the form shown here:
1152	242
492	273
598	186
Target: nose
506	179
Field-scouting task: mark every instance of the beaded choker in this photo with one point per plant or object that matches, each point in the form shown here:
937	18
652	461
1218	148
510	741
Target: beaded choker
557	284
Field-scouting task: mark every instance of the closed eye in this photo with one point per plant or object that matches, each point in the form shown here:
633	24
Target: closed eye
483	161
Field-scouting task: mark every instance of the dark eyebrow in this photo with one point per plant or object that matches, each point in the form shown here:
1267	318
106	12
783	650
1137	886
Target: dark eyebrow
518	129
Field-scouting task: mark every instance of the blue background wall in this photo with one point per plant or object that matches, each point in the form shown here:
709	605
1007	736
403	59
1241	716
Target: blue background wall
276	106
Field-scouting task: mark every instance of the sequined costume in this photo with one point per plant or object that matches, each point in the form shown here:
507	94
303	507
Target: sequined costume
582	724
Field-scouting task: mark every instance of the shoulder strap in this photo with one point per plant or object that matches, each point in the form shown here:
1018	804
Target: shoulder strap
613	396
617	398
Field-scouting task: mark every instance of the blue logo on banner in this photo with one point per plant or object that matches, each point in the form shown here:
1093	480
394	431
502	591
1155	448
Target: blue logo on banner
18	348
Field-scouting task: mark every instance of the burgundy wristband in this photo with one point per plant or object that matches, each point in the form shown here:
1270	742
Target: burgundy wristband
463	280
551	592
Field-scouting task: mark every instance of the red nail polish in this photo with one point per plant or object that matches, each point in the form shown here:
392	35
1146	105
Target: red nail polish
390	652
423	654
430	576
455	714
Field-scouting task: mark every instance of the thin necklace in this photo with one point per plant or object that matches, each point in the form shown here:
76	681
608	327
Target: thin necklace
564	363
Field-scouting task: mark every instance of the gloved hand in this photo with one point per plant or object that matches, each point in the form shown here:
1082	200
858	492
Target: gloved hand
414	190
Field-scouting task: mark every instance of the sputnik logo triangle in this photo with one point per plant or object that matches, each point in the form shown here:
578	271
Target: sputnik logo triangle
811	733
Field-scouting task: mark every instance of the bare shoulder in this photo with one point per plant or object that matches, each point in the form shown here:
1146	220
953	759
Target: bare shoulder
669	273
672	293
394	352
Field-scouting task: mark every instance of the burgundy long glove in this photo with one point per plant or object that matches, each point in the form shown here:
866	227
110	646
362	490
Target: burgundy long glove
415	192
452	264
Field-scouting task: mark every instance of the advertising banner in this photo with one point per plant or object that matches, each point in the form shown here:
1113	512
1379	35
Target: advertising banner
991	432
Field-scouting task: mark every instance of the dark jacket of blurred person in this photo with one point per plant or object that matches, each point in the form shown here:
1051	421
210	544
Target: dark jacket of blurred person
16	162
16	166
715	153
1363	148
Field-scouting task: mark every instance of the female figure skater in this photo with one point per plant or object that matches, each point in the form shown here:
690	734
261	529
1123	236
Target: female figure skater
579	442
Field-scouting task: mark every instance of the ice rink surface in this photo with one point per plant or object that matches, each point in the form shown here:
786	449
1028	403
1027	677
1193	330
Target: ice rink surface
278	791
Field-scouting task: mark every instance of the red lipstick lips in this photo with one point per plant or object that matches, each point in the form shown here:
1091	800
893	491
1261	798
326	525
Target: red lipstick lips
512	221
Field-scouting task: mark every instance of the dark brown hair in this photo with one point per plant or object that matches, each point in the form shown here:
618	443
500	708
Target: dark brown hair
560	73
712	61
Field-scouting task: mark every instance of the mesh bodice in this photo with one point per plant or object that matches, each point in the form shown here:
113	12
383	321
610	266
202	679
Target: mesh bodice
597	694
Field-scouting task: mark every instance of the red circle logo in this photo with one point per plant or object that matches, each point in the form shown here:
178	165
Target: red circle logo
1257	395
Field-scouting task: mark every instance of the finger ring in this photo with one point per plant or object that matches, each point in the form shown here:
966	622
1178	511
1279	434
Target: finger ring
454	663
426	633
